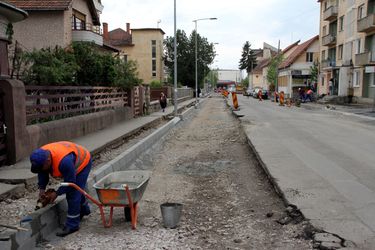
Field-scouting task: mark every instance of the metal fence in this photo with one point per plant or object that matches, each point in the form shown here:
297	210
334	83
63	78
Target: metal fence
47	103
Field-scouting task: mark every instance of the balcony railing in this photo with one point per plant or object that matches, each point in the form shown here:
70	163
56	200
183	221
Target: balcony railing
85	32
329	40
331	13
365	58
366	24
328	63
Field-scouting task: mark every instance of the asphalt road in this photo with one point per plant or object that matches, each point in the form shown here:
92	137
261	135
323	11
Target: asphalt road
323	161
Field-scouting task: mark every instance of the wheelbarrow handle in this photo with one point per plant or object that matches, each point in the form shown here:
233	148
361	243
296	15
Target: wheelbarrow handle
73	185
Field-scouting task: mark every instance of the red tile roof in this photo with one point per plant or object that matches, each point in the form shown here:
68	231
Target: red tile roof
290	47
297	52
31	5
262	64
41	4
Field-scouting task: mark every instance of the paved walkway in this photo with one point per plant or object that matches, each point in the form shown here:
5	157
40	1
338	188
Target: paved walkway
321	161
19	174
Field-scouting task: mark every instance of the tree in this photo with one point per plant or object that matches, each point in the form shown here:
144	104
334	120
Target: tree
245	82
186	57
248	59
314	72
272	73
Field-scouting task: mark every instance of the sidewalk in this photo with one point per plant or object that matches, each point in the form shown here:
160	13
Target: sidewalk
14	178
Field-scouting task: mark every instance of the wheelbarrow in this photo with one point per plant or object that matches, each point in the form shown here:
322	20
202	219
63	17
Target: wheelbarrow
118	189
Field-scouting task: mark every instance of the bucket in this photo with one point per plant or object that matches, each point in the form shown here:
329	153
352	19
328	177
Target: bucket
171	214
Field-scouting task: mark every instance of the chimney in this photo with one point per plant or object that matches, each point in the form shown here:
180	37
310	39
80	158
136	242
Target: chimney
105	32
128	28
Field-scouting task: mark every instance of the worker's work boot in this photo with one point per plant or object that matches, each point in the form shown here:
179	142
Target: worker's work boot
66	231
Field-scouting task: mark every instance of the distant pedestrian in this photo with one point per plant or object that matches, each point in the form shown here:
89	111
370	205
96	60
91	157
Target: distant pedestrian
163	101
309	94
301	93
260	95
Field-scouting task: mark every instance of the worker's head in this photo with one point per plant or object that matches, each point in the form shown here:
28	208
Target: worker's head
40	160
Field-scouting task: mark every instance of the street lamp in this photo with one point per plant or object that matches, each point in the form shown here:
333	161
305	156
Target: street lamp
175	63
196	56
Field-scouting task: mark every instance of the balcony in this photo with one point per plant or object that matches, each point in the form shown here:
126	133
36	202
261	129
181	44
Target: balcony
331	13
366	24
328	63
365	58
86	33
329	40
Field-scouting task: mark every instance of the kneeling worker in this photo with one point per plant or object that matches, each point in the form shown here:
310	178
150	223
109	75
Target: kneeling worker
71	162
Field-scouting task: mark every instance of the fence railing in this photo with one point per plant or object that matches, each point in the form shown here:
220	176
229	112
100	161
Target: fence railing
47	103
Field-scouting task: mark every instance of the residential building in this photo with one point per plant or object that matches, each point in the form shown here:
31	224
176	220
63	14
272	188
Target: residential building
144	46
264	56
58	23
295	69
347	31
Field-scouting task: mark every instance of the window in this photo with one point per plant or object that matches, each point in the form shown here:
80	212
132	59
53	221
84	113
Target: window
78	21
153	67
358	50
325	5
356	77
323	55
153	56
324	30
340	52
341	23
361	12
322	81
309	57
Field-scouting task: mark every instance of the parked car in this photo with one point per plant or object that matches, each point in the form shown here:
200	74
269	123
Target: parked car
256	91
248	92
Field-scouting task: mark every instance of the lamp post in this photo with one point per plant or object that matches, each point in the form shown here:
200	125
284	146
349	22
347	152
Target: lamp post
175	63
196	57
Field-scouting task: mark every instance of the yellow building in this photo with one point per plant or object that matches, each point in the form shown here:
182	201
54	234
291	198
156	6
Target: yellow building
347	48
144	46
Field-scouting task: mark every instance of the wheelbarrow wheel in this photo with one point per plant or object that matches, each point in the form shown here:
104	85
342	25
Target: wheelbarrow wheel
127	213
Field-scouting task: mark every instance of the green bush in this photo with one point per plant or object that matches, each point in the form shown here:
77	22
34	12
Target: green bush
156	84
81	65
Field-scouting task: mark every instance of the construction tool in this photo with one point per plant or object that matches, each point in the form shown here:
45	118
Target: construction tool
46	198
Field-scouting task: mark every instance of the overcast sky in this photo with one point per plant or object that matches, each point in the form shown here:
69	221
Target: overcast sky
238	21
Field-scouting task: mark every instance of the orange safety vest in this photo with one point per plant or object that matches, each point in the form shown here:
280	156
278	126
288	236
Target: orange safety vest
61	149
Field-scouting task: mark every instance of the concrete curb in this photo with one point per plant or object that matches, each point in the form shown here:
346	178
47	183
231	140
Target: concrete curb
48	219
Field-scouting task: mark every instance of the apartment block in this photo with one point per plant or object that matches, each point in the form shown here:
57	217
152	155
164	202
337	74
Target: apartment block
143	45
347	48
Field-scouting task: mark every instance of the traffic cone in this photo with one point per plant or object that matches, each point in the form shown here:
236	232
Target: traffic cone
235	101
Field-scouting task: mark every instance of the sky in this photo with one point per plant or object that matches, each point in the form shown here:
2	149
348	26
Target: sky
237	21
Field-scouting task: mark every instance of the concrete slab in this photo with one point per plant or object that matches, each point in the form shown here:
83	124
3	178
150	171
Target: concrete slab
11	191
16	176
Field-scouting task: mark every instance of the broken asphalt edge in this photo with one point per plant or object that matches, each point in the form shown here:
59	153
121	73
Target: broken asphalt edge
46	220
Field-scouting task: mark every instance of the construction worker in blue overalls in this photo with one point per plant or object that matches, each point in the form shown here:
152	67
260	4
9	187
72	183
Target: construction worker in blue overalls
71	162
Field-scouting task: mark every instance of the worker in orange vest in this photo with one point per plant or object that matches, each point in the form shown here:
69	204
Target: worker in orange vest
71	162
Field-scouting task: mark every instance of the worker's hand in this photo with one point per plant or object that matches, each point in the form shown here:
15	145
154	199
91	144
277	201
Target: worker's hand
51	195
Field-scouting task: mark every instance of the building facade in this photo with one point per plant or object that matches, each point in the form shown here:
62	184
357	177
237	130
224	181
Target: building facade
58	23
295	69
347	48
144	46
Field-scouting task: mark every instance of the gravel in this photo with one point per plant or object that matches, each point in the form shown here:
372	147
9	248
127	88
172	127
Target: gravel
205	164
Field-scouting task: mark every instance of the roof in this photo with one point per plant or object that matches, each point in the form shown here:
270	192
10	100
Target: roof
290	47
149	29
41	4
262	64
119	37
299	51
47	5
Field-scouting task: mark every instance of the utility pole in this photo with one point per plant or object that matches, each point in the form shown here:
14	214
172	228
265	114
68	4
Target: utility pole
175	63
277	69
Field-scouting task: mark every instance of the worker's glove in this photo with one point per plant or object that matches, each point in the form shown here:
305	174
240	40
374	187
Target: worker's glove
51	195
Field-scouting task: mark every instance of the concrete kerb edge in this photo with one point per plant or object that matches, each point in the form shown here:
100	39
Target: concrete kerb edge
42	219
